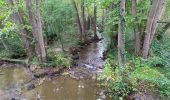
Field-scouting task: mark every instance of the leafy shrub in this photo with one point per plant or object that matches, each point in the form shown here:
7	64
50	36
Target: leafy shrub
154	78
13	46
4	54
59	24
154	61
136	76
162	49
116	81
59	59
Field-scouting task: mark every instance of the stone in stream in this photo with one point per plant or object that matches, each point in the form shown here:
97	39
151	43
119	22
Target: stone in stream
136	98
88	66
102	95
13	99
75	57
94	76
30	86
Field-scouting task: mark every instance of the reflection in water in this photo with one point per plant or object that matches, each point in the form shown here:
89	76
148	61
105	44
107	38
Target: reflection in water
11	77
64	88
11	80
59	88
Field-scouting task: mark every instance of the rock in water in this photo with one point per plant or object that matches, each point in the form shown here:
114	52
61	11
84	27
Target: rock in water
94	76
136	98
75	57
30	87
13	99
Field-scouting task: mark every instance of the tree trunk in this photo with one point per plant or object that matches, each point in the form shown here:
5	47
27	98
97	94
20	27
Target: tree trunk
103	20
78	22
158	17
83	20
121	35
40	33
88	23
22	32
151	27
95	21
35	24
136	31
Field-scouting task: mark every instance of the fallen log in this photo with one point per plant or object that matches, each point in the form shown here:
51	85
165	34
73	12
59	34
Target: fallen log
14	61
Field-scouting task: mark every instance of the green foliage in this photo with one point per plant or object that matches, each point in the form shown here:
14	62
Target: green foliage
35	61
162	50
58	21
12	46
154	78
59	59
4	54
136	76
117	80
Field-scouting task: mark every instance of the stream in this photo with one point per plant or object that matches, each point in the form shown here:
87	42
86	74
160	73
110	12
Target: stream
78	83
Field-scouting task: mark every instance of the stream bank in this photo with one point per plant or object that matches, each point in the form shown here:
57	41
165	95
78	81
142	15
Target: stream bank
76	83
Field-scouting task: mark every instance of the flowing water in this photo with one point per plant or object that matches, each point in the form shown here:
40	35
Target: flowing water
64	88
12	80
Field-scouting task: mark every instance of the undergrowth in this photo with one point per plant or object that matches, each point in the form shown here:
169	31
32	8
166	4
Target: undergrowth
137	76
59	59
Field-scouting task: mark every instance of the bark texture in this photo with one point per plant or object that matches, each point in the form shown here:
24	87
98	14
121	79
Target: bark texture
83	21
151	26
78	22
121	35
95	21
136	31
35	22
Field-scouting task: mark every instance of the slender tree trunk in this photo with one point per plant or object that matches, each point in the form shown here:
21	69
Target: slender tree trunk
40	35
88	23
151	27
121	35
77	19
95	21
22	32
157	17
137	33
83	20
103	19
35	24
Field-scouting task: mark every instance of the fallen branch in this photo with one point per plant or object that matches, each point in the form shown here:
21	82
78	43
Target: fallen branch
15	61
162	22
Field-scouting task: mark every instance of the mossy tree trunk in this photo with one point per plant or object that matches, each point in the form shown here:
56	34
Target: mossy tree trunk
121	35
